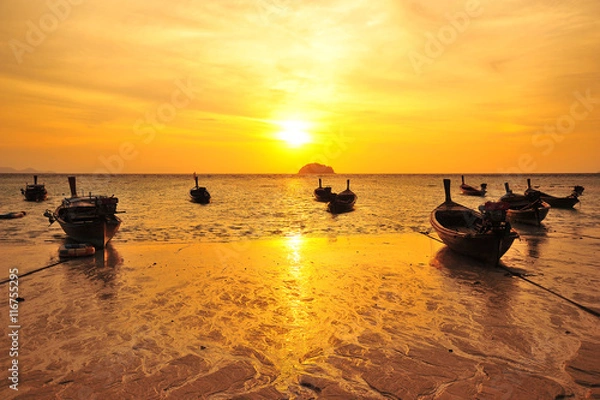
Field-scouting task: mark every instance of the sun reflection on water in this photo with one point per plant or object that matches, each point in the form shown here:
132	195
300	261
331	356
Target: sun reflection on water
294	244
297	297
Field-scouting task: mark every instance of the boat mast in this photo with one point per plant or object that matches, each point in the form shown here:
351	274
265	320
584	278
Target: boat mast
73	186
447	190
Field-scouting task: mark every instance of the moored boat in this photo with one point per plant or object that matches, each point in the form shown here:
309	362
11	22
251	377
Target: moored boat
323	193
558	202
35	192
87	219
527	209
484	235
470	190
199	194
13	215
343	201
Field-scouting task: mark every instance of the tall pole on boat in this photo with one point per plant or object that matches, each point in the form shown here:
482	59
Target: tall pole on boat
462	177
320	183
506	187
447	190
348	184
73	186
528	183
35	179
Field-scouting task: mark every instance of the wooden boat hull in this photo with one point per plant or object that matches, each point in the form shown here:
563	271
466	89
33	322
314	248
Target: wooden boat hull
323	195
533	215
560	202
487	247
199	195
342	203
13	215
35	194
471	191
557	202
486	237
200	199
337	207
88	220
97	232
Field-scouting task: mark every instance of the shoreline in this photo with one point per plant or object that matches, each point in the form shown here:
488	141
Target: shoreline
360	316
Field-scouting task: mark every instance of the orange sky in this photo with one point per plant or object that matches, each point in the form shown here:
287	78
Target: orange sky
383	86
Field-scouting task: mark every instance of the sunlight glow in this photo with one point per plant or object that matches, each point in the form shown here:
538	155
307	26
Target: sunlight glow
294	133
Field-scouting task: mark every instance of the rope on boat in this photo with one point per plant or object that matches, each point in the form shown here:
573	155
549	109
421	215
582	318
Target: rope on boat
521	276
36	270
580	306
431	237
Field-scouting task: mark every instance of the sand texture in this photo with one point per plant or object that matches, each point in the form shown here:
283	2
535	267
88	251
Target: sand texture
359	317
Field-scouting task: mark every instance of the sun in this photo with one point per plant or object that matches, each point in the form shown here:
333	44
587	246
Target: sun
294	133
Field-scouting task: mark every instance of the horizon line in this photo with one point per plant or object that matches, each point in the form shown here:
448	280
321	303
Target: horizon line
296	173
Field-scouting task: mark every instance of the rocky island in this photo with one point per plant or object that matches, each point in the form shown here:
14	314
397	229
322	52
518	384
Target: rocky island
316	168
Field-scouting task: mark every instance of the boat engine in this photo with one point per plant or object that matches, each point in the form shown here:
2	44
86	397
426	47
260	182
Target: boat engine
494	216
533	196
577	191
48	214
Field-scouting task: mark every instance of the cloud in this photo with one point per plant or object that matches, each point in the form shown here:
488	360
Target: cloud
514	67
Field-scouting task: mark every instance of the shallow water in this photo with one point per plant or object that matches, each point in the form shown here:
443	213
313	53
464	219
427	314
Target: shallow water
371	317
264	206
191	299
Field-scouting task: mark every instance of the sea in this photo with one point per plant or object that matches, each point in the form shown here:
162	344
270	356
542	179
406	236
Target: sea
157	208
365	304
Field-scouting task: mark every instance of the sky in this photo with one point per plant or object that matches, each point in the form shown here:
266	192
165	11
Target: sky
149	86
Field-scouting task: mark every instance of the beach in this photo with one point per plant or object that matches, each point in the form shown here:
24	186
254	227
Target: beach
395	316
257	198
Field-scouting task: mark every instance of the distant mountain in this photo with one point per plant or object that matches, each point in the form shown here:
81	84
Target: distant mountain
316	168
10	170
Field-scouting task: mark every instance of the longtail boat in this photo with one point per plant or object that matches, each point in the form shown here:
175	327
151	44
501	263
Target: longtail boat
323	193
470	190
527	209
485	235
558	202
343	201
199	194
87	219
35	192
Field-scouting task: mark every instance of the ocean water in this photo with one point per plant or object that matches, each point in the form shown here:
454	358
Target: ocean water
359	309
157	207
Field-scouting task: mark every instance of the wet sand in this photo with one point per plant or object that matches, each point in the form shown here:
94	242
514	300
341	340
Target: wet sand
359	317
